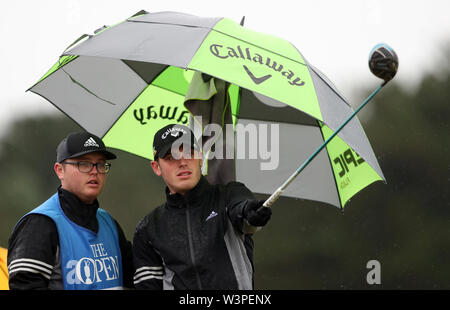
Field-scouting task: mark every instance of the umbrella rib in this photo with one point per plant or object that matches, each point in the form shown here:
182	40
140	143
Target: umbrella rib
224	33
160	23
332	88
168	89
86	89
331	165
60	65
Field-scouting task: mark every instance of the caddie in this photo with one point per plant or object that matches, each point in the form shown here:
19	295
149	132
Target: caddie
69	242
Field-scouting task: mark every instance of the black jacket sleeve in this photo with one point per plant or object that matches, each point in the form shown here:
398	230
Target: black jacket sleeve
237	195
126	252
32	253
148	263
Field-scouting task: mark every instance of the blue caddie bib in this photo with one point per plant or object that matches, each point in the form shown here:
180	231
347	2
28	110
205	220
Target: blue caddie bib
89	261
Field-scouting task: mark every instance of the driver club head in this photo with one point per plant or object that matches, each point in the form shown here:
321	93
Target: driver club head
383	62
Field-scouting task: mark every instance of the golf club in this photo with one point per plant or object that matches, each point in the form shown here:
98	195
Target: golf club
383	63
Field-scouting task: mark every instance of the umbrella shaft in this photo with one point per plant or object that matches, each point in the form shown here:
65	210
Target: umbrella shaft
274	197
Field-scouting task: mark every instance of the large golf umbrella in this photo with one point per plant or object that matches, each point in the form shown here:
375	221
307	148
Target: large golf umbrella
128	80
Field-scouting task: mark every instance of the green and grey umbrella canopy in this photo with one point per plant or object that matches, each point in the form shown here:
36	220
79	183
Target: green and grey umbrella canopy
128	80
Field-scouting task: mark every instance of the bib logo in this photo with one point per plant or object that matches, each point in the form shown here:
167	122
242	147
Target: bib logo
224	52
90	270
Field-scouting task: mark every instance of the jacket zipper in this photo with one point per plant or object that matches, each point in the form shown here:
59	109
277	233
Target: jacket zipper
191	247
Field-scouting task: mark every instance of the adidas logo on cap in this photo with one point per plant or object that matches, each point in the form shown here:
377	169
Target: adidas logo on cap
91	142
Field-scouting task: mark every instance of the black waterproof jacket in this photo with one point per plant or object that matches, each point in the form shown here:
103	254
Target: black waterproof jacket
195	241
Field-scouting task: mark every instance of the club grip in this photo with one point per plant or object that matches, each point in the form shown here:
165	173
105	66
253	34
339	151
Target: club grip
249	229
274	197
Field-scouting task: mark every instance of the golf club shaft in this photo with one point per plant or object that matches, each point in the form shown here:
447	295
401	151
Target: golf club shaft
274	197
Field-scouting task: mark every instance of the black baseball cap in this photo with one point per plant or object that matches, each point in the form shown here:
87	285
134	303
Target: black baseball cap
80	143
166	137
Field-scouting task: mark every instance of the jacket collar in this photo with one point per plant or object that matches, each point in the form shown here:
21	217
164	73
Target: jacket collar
82	214
192	197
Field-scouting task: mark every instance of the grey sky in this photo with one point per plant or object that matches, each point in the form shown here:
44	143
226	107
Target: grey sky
335	36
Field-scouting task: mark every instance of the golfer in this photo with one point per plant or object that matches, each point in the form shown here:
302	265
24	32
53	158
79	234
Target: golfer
196	239
68	242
